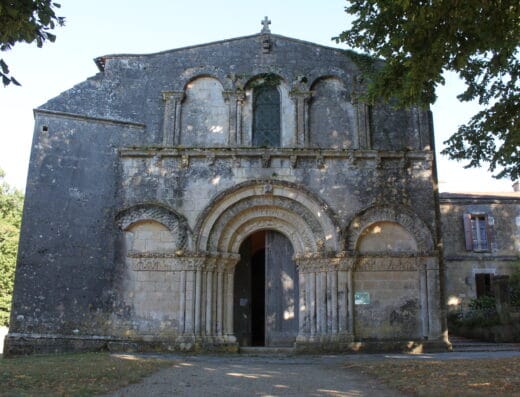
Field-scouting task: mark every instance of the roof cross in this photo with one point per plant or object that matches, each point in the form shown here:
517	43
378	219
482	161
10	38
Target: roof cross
266	22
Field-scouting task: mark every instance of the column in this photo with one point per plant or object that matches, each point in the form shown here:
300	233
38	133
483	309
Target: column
198	297
220	298
229	302
435	308
189	325
333	283
301	99
312	302
328	294
172	117
209	302
235	101
363	125
303	317
241	96
423	287
321	302
350	303
182	302
343	309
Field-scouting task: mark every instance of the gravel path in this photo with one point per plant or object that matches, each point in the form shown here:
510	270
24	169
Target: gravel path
241	375
231	376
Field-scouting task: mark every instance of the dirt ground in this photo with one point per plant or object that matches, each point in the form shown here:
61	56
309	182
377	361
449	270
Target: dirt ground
326	376
232	376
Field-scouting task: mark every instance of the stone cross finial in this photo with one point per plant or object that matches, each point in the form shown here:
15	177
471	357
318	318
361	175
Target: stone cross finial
266	22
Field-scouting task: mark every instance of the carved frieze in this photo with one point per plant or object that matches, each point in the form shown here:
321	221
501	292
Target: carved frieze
385	264
313	263
172	262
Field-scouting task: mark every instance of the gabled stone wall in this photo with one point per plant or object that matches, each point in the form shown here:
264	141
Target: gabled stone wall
144	183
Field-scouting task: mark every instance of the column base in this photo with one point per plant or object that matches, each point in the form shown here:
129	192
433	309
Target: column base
25	344
346	344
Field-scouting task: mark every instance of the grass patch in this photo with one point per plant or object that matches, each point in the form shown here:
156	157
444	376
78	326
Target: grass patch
487	377
83	374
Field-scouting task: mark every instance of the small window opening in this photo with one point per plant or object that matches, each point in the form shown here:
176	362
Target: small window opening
484	284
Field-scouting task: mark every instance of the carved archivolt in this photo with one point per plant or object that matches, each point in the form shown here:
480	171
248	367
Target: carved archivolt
175	222
318	74
404	217
249	207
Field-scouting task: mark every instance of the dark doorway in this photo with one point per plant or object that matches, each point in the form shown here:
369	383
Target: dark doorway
258	298
266	291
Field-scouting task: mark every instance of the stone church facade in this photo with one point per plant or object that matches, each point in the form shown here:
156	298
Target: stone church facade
237	193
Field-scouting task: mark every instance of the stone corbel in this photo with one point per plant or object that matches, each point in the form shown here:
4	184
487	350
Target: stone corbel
294	161
210	158
185	161
266	160
320	161
172	117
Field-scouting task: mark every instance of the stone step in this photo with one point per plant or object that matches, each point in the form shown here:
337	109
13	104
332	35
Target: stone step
485	347
253	350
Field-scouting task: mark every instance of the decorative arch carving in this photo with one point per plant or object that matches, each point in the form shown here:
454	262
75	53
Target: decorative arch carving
400	215
281	206
264	78
175	222
316	75
192	74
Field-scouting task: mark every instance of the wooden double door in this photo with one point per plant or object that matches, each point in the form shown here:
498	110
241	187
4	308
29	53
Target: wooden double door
266	296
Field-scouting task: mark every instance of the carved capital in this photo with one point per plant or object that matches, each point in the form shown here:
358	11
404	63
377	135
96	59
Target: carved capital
185	161
238	95
173	95
302	95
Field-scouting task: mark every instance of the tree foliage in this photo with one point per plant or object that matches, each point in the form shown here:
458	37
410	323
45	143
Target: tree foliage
479	40
11	202
25	21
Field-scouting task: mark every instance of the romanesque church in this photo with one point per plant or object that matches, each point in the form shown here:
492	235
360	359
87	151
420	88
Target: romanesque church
231	194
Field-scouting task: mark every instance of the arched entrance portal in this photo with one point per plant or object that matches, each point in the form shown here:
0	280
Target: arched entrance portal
266	291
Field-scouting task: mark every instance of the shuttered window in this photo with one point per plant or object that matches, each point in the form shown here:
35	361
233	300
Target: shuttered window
266	116
478	232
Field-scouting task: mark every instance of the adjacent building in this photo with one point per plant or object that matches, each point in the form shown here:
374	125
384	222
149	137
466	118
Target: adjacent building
481	239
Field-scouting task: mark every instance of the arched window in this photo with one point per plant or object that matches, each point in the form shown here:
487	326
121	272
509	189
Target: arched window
266	116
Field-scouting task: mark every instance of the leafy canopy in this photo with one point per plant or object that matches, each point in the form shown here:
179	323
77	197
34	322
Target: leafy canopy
11	202
25	21
478	39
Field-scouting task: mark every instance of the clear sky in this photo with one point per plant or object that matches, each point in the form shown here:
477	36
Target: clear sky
97	27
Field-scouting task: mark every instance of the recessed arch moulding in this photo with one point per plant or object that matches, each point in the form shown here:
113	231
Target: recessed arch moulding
331	267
